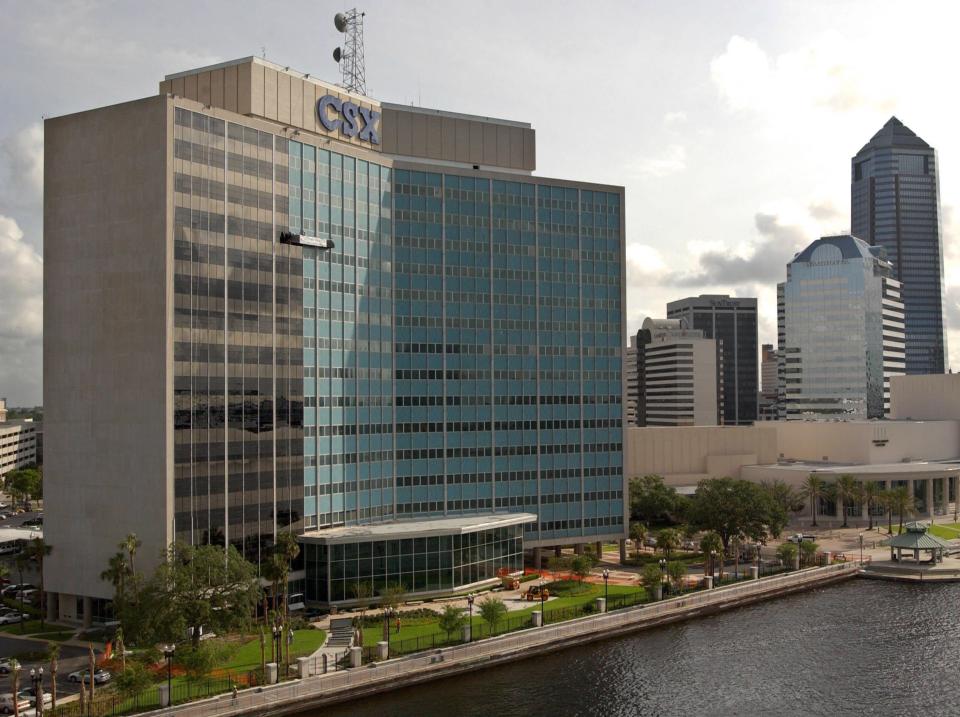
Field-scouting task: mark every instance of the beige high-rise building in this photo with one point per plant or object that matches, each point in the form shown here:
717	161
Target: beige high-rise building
272	305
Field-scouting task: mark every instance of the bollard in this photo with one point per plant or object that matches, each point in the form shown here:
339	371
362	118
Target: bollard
324	663
303	667
708	582
164	695
537	618
754	572
383	650
600	605
356	656
272	673
658	592
466	632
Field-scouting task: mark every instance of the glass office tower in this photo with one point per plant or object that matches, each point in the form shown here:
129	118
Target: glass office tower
368	325
895	203
841	331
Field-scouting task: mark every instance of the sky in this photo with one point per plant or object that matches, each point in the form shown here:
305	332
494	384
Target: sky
731	125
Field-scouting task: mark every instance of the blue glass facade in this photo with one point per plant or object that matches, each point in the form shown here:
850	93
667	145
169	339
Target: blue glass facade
461	347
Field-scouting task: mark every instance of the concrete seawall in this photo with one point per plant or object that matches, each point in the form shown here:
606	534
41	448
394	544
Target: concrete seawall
311	692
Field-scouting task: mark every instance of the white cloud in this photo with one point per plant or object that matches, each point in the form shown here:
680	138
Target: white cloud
672	159
21	177
21	316
674	118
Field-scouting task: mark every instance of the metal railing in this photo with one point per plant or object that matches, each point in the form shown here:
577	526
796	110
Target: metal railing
392	671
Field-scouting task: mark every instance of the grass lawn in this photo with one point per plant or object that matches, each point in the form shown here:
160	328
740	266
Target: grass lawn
247	656
569	594
947	531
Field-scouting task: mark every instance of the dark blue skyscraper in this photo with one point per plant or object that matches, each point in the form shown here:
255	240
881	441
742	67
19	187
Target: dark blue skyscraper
895	204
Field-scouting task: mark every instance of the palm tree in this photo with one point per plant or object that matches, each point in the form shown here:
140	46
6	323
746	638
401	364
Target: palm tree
53	654
21	563
871	494
131	544
902	501
116	574
886	500
274	570
287	548
638	532
668	540
784	495
38	550
844	489
813	490
15	671
710	545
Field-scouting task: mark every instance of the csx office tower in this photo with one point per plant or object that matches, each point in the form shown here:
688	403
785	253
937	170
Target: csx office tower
271	305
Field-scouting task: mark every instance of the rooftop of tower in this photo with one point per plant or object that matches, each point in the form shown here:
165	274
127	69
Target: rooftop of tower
894	134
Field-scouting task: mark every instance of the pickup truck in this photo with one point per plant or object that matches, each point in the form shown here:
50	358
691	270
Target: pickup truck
798	538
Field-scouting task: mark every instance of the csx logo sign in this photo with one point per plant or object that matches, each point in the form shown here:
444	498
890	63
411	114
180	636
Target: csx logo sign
352	120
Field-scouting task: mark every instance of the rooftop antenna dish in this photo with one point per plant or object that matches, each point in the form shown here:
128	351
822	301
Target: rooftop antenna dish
350	56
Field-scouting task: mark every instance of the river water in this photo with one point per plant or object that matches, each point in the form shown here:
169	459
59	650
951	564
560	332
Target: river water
858	648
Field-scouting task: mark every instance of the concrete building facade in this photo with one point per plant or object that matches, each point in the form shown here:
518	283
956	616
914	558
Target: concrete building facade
678	375
19	442
274	306
732	322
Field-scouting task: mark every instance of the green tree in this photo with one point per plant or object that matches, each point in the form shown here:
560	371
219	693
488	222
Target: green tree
901	501
131	544
676	571
53	657
653	502
206	586
871	494
844	489
638	533
808	551
784	495
288	549
452	620
37	549
651	576
711	545
21	563
581	565
22	485
362	592
787	552
558	564
274	571
668	540
197	660
116	574
492	611
736	508
393	595
133	680
813	490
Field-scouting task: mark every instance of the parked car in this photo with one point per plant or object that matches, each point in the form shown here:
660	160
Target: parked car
13	618
4	665
32	523
801	537
688	545
31	595
100	677
6	703
28	693
650	541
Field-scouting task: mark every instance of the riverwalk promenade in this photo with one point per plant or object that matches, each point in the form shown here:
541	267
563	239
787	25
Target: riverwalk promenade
315	691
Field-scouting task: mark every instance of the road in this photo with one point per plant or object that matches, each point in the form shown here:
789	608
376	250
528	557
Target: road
71	659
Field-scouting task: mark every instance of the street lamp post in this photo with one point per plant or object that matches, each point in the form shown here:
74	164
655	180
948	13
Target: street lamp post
861	547
36	679
276	644
470	598
663	572
168	653
543	613
758	559
606	590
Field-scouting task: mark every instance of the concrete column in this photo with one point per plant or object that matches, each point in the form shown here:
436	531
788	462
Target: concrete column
303	667
537	559
623	549
928	497
558	551
754	572
383	650
272	673
599	548
578	549
708	582
356	656
537	618
87	612
53	607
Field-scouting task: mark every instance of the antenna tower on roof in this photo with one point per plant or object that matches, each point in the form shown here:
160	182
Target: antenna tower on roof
353	75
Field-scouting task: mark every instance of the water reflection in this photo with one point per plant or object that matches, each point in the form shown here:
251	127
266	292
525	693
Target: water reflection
860	648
